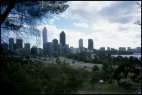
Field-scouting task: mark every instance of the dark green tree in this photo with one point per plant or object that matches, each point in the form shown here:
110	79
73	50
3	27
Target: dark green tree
26	15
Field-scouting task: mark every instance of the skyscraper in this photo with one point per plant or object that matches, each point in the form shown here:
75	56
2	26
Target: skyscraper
62	38
19	43
11	44
90	44
44	37
80	43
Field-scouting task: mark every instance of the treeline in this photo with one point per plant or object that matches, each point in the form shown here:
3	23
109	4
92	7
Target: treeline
100	58
18	76
126	71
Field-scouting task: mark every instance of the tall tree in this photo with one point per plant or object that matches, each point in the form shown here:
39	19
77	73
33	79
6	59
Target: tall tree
19	14
139	6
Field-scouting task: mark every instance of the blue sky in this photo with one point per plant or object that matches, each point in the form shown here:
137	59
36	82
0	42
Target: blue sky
108	23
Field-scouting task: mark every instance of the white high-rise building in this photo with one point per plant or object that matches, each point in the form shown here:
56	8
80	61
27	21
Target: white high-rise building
80	43
44	37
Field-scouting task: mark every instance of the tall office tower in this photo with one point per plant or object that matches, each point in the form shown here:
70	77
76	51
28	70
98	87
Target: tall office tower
55	45
19	43
11	44
90	44
62	38
44	37
80	43
27	48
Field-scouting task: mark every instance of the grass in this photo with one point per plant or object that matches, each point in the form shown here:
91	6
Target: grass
104	88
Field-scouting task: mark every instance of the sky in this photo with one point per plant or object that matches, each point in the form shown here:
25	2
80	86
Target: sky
108	23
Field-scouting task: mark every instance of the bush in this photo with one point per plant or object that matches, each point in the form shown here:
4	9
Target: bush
17	78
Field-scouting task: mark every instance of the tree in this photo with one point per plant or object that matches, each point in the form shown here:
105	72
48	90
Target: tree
108	70
16	77
138	21
18	14
95	68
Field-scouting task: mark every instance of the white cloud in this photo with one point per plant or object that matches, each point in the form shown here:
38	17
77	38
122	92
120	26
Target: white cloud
84	25
83	10
105	33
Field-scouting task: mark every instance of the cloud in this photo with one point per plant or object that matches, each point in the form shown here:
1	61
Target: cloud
84	25
92	11
108	23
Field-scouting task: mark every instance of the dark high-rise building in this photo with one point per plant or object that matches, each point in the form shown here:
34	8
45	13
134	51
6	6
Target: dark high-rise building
19	43
11	44
55	45
44	37
62	38
44	41
90	44
80	43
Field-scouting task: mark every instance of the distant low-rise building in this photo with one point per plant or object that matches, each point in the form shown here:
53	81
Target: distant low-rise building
79	50
113	50
129	49
65	49
27	48
83	49
39	51
108	48
102	48
34	50
49	48
138	50
20	51
73	50
60	50
122	49
55	45
89	50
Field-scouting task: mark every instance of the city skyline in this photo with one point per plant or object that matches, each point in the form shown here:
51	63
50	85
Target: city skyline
120	31
108	23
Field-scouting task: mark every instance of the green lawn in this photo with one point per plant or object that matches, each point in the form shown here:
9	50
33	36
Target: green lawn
104	88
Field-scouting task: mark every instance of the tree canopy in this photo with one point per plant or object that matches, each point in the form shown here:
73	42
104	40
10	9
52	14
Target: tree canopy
19	14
